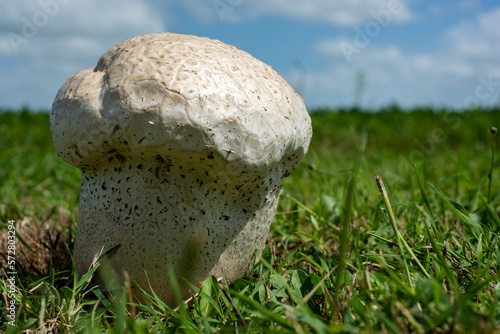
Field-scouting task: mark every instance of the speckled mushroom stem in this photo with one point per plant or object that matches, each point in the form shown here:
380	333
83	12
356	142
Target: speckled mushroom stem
153	209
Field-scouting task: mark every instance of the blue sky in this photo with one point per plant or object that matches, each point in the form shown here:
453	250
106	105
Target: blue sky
414	53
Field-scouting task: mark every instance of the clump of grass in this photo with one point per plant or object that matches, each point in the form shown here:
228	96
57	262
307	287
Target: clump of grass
40	245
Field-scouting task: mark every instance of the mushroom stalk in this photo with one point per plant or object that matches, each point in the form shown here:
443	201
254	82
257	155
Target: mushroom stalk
189	220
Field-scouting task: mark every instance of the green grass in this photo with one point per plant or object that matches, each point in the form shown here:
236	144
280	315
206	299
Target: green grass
339	258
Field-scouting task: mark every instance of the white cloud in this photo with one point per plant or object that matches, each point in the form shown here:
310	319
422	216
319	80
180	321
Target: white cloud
443	9
342	13
94	21
469	4
46	41
477	40
346	13
467	57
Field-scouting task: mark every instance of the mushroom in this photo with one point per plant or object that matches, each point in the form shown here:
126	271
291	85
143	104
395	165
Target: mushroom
184	143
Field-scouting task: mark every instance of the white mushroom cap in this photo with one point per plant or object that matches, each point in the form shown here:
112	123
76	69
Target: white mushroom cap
183	142
176	97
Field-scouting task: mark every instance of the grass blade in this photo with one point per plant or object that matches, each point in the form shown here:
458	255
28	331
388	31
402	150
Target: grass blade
344	239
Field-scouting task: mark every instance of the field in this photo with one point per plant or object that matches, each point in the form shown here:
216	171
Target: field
340	257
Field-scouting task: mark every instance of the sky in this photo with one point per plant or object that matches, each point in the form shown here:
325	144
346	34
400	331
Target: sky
370	53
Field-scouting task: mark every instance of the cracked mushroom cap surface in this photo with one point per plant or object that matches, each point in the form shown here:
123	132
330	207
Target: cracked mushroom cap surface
171	97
